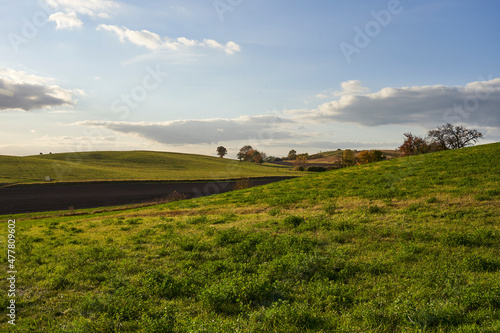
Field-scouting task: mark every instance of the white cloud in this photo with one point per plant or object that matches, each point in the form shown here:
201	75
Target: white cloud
321	96
476	103
67	10
94	8
205	131
66	21
153	41
352	87
27	92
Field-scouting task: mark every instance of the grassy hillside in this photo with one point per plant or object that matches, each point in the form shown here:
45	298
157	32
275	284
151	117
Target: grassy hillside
137	165
406	245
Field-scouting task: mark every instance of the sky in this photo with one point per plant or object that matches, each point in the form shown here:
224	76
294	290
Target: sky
191	75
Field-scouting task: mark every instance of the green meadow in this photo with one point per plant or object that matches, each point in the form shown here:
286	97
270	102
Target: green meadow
405	245
136	165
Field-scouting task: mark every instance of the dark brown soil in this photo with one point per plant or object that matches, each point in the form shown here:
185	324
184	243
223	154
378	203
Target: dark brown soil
51	197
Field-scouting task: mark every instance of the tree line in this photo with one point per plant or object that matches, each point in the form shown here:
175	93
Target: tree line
441	138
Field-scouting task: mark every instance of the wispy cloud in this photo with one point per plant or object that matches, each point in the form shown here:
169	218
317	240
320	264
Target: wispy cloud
67	13
153	41
19	90
94	8
476	103
66	21
205	131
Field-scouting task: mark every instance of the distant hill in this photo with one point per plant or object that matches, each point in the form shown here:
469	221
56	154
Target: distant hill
132	165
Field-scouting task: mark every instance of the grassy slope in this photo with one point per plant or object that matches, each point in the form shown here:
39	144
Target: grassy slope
138	165
407	245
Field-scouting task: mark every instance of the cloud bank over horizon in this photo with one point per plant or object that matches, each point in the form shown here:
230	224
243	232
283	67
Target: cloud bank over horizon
204	131
419	106
476	103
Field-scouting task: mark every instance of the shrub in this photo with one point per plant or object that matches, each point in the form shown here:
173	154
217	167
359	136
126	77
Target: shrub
293	221
374	209
316	169
432	200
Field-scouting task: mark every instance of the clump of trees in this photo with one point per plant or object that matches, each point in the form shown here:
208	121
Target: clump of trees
248	154
349	157
371	156
442	138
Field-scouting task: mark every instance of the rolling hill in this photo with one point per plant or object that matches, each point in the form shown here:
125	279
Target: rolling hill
406	245
136	165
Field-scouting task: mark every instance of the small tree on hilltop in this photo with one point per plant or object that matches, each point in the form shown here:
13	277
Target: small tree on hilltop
221	151
453	137
292	154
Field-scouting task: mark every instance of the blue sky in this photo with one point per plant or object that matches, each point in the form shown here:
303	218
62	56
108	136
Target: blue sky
188	76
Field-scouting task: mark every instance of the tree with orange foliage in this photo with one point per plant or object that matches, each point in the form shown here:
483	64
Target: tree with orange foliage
257	157
413	145
366	157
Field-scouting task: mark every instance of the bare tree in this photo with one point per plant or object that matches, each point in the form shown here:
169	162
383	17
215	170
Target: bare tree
453	137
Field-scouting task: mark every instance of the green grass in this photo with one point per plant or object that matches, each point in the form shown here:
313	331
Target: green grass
407	245
137	165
